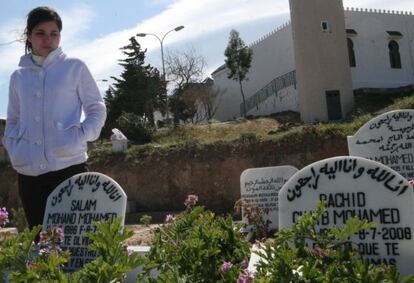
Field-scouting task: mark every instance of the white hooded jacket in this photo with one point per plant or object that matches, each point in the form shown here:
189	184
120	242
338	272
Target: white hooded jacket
43	129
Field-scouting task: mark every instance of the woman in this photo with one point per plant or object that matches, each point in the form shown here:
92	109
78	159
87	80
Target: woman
44	137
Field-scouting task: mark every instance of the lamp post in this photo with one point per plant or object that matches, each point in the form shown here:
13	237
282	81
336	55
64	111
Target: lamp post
161	40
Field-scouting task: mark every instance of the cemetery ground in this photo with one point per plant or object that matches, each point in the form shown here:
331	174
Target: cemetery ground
279	127
284	131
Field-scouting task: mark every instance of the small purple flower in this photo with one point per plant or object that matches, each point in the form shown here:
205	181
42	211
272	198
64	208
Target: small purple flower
130	252
191	200
246	277
244	265
4	217
169	218
226	266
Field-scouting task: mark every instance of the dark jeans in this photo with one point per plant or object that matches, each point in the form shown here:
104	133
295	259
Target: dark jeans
34	191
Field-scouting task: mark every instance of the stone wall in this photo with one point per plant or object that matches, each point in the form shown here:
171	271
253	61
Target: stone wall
161	181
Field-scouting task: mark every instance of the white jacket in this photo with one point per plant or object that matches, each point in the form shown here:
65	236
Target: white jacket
43	130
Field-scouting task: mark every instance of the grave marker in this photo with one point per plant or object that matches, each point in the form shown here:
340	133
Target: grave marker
389	139
354	186
260	187
75	204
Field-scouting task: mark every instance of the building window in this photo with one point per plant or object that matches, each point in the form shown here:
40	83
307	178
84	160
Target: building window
325	26
395	58
351	53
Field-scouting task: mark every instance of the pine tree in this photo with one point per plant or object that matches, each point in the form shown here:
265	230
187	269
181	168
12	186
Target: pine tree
139	90
238	61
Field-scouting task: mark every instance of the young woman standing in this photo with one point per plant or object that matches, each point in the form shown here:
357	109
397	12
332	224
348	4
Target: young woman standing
44	135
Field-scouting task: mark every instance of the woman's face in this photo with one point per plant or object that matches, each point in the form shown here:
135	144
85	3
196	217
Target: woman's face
45	37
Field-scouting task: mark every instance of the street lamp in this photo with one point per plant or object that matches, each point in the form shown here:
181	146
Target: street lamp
161	40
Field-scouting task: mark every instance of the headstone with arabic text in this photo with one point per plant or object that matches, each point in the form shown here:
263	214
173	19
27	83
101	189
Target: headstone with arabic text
355	186
389	139
260	187
75	204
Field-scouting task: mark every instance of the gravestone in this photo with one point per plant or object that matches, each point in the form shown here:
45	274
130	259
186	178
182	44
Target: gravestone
389	139
260	188
355	186
75	204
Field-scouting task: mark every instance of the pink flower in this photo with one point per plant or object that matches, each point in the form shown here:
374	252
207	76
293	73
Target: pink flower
169	218
4	217
191	200
244	265
226	266
411	182
130	252
246	277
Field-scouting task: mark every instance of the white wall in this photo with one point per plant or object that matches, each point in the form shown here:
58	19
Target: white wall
371	48
272	57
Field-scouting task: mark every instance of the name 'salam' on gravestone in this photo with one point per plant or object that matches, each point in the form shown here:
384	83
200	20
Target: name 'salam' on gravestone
75	204
389	139
355	186
259	187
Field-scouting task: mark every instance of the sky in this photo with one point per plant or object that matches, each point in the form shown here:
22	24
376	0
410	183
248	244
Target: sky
95	30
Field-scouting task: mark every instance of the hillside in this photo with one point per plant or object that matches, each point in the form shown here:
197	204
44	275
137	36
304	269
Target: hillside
208	159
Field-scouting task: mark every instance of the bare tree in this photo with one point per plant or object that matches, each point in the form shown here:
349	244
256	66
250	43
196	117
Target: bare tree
184	67
186	70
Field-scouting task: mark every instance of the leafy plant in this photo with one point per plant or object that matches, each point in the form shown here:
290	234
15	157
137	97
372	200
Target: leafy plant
330	258
30	262
194	245
257	227
135	128
146	220
21	260
114	260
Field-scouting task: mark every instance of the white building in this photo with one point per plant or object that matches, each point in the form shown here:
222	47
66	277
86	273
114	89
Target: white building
378	49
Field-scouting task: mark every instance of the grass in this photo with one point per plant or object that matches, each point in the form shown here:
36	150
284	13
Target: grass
282	127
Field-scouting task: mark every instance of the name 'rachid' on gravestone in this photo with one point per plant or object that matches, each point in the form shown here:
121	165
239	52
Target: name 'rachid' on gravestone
259	187
389	139
75	204
355	186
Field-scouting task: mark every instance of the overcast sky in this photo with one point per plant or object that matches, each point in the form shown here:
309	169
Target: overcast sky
95	30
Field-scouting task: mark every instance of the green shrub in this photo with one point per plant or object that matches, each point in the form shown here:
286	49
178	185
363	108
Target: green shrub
24	261
194	246
330	259
114	260
135	128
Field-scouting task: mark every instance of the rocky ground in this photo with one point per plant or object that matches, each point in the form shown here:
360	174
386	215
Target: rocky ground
142	234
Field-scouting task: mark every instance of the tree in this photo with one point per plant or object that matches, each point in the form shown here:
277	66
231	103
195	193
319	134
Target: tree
205	97
238	61
186	70
182	106
139	90
185	67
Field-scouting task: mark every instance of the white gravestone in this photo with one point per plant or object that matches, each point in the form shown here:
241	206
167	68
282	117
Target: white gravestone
355	186
389	139
260	188
75	204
